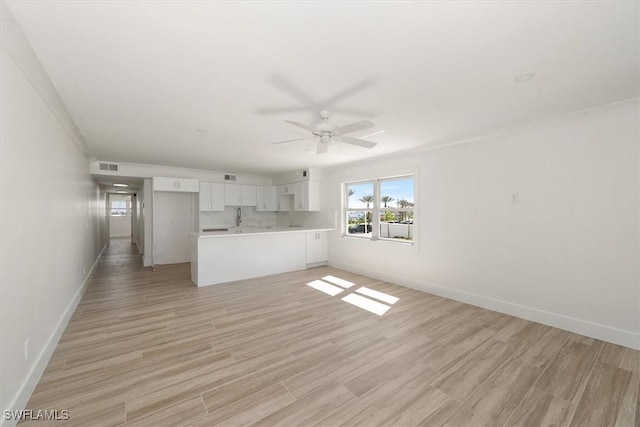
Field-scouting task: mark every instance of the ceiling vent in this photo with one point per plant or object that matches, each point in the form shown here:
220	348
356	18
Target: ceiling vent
229	177
111	167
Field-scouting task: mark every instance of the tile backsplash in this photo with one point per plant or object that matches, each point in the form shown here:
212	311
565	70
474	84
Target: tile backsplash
227	218
252	218
321	219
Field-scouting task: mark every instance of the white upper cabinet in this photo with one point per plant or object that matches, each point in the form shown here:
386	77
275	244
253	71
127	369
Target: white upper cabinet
287	189
248	195
184	185
266	198
188	185
285	194
211	196
307	196
240	195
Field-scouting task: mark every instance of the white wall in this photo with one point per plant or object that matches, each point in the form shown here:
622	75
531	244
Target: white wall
172	224
147	212
139	170
567	254
140	221
50	220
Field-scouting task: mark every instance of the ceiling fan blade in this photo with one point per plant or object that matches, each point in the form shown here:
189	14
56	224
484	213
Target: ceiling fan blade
354	127
356	141
300	125
355	112
348	92
290	89
289	140
322	147
369	135
279	110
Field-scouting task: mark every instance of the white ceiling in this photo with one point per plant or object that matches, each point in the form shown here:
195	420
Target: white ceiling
140	77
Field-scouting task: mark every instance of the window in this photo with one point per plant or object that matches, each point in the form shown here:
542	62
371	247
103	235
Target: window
119	207
380	209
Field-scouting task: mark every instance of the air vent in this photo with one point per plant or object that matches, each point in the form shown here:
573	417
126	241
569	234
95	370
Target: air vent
229	177
112	167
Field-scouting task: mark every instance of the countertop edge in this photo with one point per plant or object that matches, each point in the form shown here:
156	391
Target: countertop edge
214	234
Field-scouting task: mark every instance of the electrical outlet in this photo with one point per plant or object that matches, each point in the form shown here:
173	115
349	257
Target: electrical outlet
26	348
515	198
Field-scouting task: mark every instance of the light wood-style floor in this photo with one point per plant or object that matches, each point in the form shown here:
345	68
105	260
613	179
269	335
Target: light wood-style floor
147	348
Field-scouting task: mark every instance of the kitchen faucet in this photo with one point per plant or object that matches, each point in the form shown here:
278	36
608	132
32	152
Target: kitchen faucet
238	217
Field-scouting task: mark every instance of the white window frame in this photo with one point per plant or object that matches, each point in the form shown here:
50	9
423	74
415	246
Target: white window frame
376	209
127	207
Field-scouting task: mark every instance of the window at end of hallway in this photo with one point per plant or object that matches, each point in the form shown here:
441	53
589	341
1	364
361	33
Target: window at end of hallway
120	207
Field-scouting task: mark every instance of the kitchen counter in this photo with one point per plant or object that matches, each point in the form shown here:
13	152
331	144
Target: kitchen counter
247	231
242	253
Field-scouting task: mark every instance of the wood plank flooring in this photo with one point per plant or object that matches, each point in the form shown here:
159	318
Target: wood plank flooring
147	348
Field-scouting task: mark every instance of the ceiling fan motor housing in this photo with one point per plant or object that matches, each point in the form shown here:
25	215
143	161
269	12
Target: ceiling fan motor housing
328	132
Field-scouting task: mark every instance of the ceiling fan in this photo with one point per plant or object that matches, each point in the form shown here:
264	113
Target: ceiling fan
329	132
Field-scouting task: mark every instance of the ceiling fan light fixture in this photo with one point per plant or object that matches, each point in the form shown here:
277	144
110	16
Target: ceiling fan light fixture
329	133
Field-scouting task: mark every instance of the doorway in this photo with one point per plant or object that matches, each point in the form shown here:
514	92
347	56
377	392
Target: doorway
120	217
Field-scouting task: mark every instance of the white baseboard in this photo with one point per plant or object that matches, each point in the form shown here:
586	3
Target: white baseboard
583	327
171	260
29	384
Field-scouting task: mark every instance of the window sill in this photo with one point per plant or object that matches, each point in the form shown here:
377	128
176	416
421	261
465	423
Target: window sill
364	238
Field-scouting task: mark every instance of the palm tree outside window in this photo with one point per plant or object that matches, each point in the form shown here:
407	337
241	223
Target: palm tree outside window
380	209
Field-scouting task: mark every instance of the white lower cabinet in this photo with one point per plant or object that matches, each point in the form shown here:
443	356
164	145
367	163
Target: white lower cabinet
317	248
214	258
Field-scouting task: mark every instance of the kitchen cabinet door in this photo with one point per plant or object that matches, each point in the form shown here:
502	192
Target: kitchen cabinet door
267	200
248	195
186	185
307	196
211	196
232	194
164	184
287	189
240	195
204	197
217	196
317	248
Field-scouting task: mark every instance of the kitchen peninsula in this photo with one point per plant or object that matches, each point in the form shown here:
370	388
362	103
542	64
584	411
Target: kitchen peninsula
229	254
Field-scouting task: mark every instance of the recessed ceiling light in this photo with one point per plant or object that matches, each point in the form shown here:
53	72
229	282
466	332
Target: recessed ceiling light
120	191
120	185
524	77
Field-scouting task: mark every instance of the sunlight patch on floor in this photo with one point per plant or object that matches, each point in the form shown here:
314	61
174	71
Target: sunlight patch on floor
338	281
325	287
366	304
389	299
